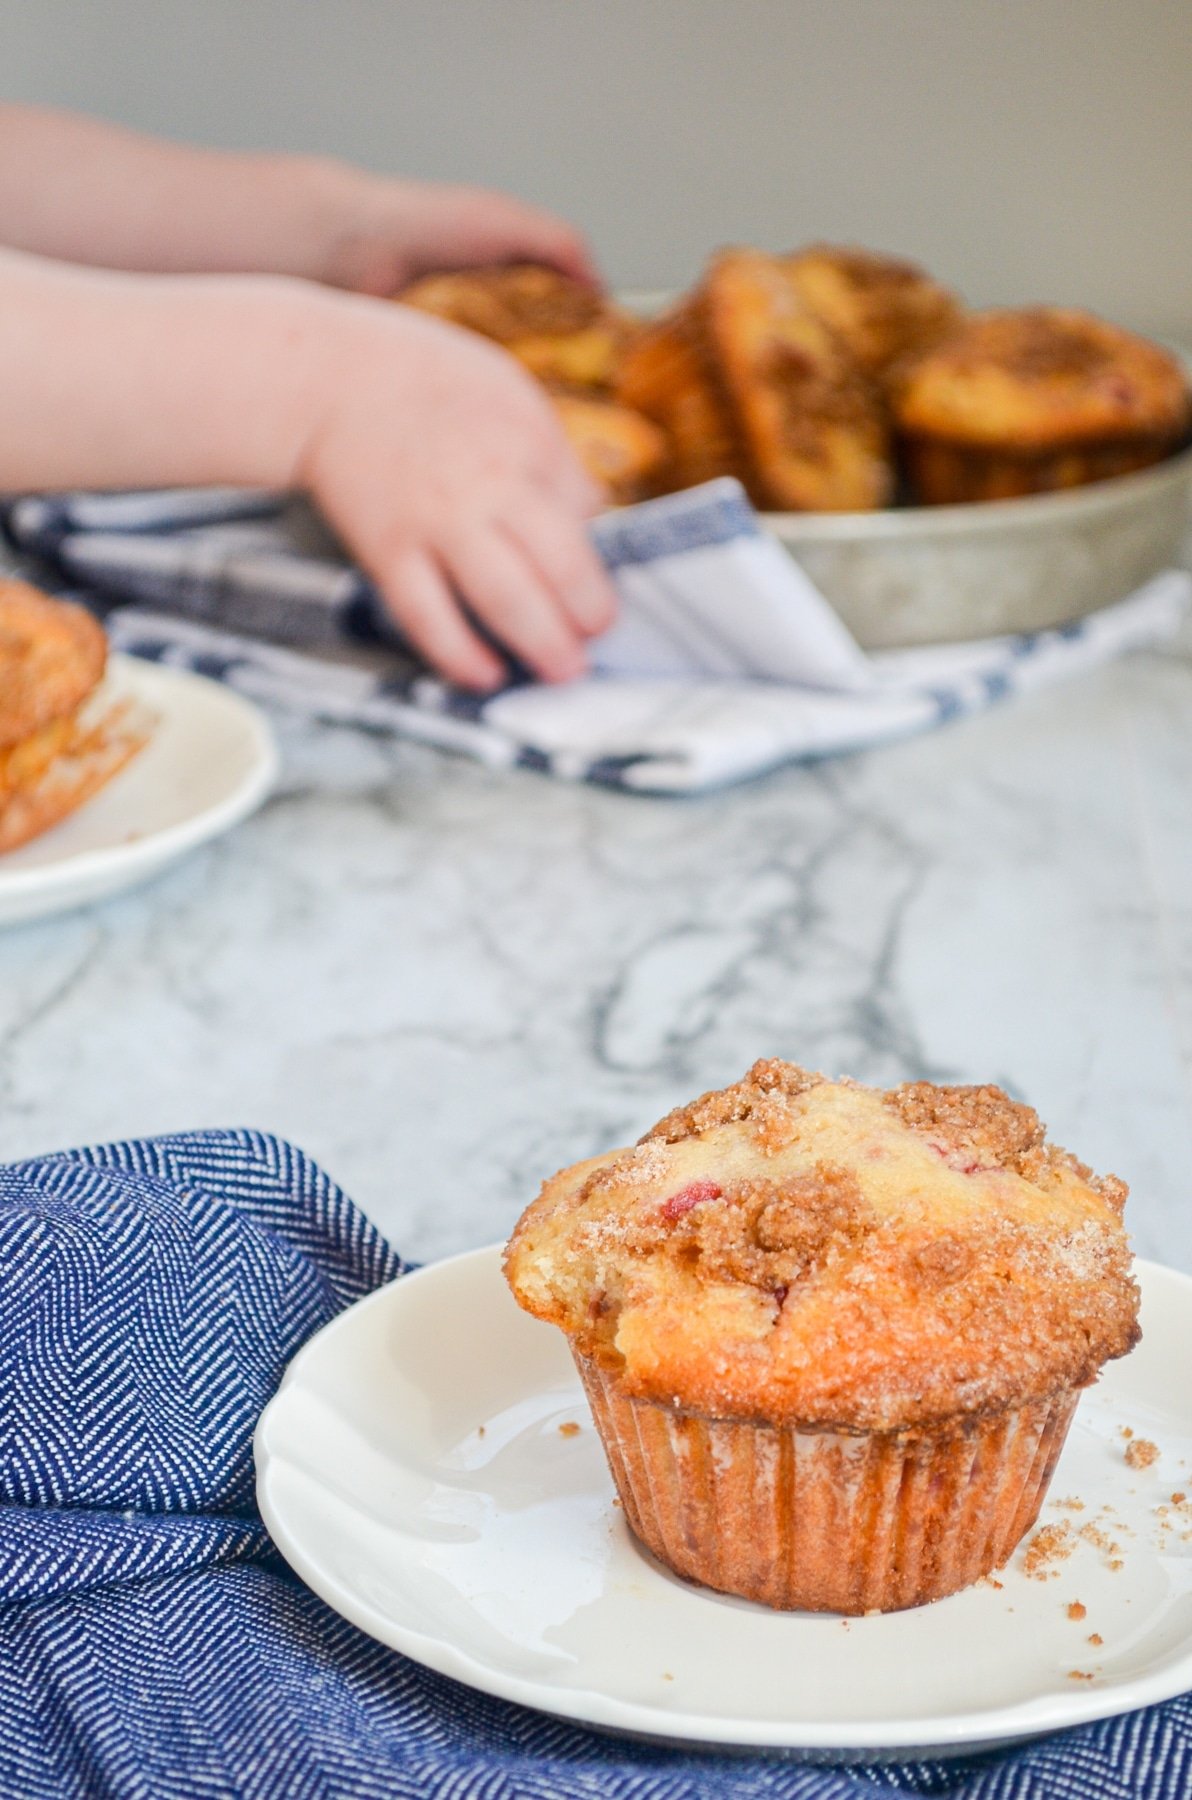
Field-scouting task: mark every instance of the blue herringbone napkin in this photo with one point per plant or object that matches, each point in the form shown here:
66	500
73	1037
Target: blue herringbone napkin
725	661
154	1645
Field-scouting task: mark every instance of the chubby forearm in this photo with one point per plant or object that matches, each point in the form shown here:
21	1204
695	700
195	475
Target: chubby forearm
89	192
436	457
113	380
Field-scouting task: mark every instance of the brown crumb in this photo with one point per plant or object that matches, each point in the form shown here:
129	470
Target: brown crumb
1142	1453
617	1501
667	1676
569	1428
1049	1545
1178	1498
480	1431
1127	1431
1071	1504
1077	1609
1100	1540
1115	1565
1096	1638
1079	1675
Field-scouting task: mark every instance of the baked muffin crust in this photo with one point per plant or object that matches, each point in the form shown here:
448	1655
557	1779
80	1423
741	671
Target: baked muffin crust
564	331
1041	377
793	1249
811	428
620	449
52	654
883	308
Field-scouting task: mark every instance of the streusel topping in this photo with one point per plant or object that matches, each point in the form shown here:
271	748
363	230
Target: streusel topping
797	1248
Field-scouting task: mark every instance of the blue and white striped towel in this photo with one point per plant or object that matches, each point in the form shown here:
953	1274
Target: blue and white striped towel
153	1643
726	660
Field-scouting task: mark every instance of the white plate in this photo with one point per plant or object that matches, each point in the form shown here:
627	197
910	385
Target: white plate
413	1471
209	761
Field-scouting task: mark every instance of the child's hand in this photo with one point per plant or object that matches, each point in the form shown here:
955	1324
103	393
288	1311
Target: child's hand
442	466
392	231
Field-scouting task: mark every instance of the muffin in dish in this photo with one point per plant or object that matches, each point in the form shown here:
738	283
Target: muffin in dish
622	451
1028	401
810	426
564	332
58	743
747	380
881	308
832	1336
664	375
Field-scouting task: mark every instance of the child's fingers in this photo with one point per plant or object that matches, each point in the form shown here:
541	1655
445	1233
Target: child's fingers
421	600
508	595
530	235
559	549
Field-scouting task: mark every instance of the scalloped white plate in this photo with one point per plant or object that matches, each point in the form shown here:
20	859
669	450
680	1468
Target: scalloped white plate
210	760
418	1470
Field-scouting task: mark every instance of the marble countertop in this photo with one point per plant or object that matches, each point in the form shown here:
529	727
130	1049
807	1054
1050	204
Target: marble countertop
446	981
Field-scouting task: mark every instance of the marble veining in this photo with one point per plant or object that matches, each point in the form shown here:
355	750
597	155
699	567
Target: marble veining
446	981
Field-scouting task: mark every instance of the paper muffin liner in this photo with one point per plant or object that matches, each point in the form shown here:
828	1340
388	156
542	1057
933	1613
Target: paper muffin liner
944	472
827	1521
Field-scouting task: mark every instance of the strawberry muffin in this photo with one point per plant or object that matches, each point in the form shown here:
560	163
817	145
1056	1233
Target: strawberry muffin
833	1336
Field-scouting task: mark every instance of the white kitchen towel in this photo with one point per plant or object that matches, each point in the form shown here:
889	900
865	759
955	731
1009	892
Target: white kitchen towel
725	662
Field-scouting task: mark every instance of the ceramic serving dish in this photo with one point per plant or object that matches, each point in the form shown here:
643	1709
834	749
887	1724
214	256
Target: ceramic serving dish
925	574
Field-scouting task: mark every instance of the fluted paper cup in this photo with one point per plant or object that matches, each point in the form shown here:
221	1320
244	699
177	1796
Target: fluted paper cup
827	1521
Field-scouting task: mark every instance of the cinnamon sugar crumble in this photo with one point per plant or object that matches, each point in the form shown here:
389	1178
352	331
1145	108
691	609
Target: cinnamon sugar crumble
1109	1547
569	1428
1080	1675
722	1106
1096	1638
1071	1504
1050	1544
970	1119
1077	1609
1141	1453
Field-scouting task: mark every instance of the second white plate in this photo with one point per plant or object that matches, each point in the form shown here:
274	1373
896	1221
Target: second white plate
429	1467
209	761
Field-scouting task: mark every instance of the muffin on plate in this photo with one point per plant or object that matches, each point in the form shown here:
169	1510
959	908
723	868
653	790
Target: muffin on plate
58	745
622	451
832	1336
882	308
1027	401
566	333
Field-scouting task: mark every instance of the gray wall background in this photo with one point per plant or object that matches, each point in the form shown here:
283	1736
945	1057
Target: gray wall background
1024	149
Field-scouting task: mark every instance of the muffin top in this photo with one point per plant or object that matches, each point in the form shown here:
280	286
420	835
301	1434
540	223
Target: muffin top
812	428
884	309
563	330
795	1249
52	654
1043	376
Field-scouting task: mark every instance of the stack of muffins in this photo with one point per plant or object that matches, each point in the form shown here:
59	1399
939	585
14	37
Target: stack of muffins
829	380
833	1336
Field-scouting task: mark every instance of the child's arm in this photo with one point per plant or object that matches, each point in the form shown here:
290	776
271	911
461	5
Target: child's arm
434	455
87	192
